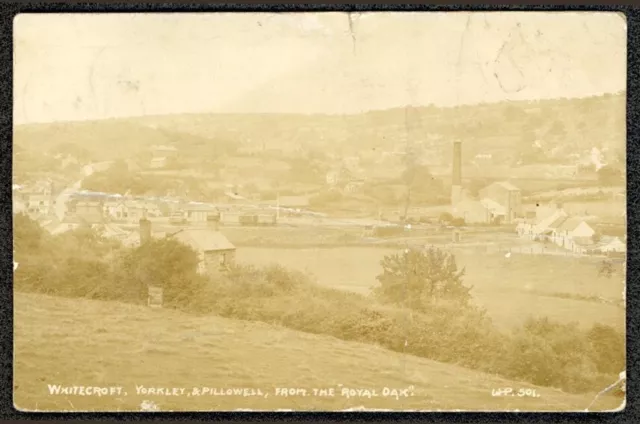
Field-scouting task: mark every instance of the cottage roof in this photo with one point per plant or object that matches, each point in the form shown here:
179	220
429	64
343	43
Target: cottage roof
132	238
546	216
608	241
571	223
605	241
556	223
111	230
203	239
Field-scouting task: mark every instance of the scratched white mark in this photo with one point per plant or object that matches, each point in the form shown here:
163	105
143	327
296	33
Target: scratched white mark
149	406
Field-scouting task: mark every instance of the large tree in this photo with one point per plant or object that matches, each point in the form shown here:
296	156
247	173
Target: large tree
418	279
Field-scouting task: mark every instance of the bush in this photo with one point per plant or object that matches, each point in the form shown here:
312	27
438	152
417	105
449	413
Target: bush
445	217
539	352
562	355
458	222
608	348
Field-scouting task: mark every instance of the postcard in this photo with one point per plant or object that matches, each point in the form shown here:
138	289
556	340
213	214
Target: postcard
320	211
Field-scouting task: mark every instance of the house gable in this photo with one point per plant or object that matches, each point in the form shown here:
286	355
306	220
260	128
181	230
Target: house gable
582	230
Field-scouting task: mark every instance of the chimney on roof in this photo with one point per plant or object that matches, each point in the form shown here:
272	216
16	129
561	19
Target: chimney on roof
213	220
145	230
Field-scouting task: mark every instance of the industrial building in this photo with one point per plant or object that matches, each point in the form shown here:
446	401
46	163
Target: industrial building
498	203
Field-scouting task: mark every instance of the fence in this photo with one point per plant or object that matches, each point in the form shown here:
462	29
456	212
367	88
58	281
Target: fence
529	249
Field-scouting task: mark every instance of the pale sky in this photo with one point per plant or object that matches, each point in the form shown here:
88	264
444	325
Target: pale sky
81	66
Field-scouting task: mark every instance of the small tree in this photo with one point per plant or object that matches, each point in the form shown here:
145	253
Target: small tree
418	279
458	222
446	217
610	175
165	263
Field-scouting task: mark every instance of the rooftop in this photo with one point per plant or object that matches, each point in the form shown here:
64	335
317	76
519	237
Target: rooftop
557	223
203	239
571	223
507	185
603	242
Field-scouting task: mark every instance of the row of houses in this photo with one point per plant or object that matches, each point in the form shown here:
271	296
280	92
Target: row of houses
215	252
106	214
39	199
574	233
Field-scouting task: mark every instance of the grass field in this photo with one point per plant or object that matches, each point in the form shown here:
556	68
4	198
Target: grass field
91	343
511	289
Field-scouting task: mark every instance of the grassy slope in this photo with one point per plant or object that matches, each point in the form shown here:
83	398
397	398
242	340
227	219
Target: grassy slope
63	341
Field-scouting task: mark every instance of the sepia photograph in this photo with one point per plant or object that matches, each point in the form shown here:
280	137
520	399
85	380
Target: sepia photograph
319	211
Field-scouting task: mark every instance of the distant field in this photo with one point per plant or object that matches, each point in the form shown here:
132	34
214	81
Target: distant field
611	192
511	289
91	343
604	208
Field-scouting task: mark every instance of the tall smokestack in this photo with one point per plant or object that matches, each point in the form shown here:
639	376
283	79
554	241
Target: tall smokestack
456	177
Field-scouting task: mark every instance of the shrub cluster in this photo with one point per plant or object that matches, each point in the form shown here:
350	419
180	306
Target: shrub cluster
540	352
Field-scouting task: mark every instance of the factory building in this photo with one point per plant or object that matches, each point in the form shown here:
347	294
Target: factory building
498	203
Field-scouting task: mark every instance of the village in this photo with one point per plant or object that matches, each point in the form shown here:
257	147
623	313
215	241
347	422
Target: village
497	207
